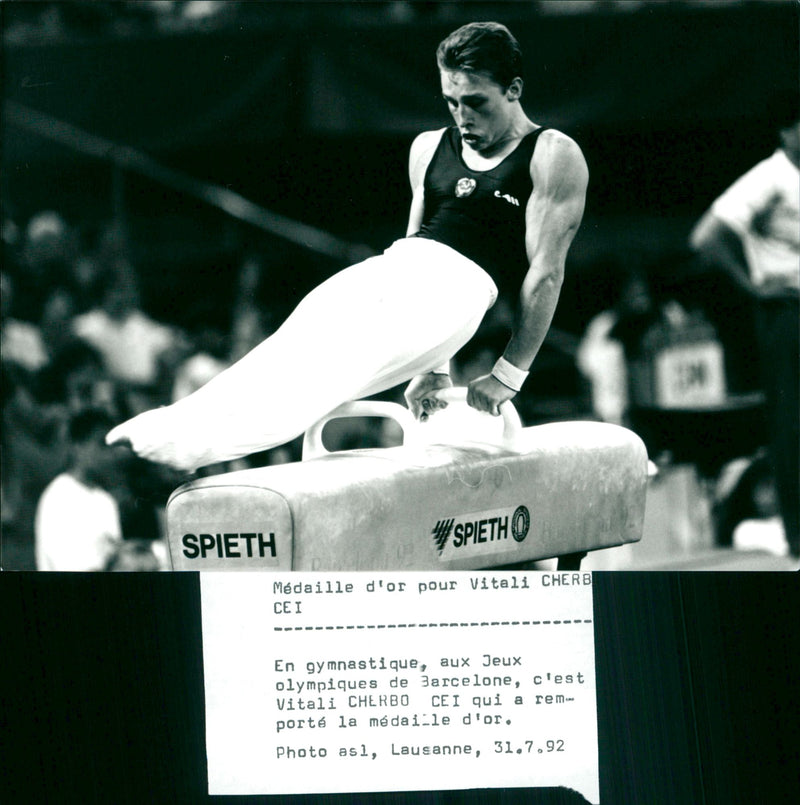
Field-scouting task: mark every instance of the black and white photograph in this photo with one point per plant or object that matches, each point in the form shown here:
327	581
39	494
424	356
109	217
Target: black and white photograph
426	297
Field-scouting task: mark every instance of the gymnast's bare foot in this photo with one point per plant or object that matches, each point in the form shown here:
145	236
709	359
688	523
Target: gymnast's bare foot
156	479
154	437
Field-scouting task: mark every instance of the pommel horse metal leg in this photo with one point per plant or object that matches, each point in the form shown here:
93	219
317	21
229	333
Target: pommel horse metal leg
520	495
571	561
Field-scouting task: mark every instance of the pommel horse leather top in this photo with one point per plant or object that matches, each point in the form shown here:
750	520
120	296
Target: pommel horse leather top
441	501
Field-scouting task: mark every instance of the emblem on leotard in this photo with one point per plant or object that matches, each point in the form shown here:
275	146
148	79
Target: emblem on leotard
465	186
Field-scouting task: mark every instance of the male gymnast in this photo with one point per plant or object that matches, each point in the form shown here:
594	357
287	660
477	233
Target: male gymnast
494	195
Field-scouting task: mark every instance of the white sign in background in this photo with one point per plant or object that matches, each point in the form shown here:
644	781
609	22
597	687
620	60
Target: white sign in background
353	682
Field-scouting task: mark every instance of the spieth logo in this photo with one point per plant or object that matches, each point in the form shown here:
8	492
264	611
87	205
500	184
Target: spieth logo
229	546
441	531
520	523
481	532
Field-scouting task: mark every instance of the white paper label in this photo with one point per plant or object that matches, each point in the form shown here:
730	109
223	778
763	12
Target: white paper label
353	682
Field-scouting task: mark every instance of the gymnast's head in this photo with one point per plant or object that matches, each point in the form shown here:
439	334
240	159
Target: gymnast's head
480	67
486	48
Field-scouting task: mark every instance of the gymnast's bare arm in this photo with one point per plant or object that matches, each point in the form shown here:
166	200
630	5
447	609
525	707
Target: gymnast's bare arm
420	155
552	217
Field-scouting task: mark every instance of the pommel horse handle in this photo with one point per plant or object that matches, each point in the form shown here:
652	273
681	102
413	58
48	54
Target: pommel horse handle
312	441
512	425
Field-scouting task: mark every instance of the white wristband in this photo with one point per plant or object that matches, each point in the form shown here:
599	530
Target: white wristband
508	374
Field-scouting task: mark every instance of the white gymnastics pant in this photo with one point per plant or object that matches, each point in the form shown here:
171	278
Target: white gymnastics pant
368	328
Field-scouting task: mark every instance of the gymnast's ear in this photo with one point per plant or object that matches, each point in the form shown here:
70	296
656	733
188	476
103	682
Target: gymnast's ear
514	91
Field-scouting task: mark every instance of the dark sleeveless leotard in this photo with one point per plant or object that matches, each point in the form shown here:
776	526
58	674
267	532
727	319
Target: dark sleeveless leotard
480	214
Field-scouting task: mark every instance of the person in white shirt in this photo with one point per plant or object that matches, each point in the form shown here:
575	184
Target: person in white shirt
752	231
137	351
77	525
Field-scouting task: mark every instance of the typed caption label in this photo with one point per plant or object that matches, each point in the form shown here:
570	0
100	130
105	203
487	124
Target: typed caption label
324	683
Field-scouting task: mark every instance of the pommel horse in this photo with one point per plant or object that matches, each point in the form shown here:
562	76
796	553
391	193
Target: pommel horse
439	501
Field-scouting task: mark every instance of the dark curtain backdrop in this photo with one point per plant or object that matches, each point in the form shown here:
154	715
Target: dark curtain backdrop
666	67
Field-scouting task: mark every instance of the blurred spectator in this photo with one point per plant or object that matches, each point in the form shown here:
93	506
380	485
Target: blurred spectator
138	351
135	555
33	453
752	232
609	337
21	341
56	320
32	346
746	511
43	261
46	282
77	522
195	372
76	379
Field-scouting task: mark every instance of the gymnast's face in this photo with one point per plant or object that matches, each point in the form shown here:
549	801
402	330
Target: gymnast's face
482	109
